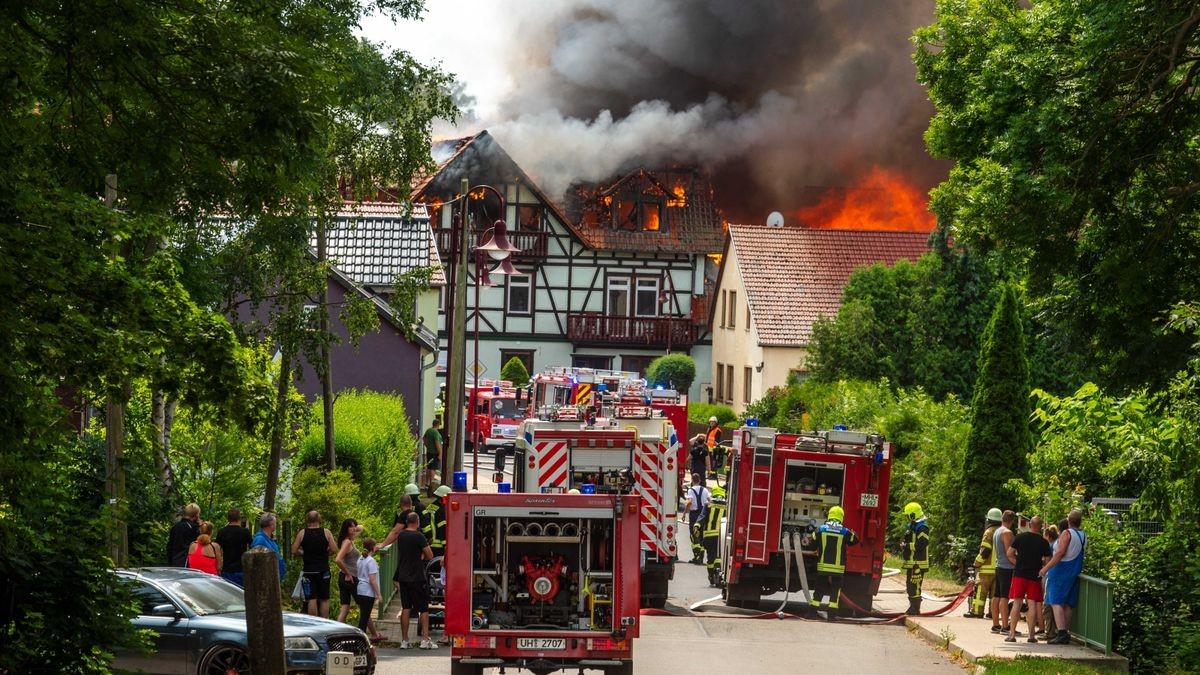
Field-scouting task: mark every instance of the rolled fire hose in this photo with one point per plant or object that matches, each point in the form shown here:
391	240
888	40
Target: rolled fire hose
515	529
552	530
570	530
533	529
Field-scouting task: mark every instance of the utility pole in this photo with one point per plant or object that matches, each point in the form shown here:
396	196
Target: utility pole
114	441
326	369
457	344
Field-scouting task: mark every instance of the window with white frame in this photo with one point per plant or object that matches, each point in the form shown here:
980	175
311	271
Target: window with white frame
520	294
618	296
646	303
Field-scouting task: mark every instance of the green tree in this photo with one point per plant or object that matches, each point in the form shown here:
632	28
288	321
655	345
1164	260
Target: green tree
514	371
1072	127
673	370
1000	439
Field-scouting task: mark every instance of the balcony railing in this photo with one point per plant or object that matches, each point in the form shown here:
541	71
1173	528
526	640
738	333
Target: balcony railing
532	244
660	332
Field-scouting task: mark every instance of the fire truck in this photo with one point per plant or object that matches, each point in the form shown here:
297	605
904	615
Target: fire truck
780	488
629	448
497	414
551	582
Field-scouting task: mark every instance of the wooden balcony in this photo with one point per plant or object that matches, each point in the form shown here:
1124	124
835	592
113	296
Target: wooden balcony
659	332
532	244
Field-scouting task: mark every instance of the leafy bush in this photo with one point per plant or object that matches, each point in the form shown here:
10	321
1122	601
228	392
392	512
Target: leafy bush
514	371
372	442
673	370
700	412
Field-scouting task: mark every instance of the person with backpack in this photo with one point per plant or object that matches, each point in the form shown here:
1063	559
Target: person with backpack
698	498
700	457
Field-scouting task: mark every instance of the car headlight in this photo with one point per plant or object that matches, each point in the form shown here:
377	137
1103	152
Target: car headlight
300	644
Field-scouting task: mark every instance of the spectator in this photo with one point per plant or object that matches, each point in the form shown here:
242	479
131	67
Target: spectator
411	553
406	507
432	440
1062	580
203	554
700	458
315	544
233	539
265	538
182	534
1027	553
367	588
1001	540
1047	624
347	562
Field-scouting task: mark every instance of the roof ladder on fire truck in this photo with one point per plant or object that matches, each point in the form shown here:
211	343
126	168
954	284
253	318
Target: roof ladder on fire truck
760	498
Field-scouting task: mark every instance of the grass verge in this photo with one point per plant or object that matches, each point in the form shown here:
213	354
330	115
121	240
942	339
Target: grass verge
938	580
1038	665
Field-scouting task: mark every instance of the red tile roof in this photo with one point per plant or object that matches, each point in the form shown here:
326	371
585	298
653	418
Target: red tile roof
793	275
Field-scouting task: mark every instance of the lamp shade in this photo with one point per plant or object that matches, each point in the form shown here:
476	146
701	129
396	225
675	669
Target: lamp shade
505	268
498	246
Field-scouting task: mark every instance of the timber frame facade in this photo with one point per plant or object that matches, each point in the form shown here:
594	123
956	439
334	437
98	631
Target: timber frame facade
575	301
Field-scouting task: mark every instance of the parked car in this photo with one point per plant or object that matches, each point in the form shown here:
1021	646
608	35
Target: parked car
199	626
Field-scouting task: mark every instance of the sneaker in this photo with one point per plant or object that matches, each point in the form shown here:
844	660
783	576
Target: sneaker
428	644
998	629
404	644
1010	639
1031	639
1060	639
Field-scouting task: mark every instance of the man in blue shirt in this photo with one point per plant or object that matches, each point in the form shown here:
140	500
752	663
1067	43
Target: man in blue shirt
267	523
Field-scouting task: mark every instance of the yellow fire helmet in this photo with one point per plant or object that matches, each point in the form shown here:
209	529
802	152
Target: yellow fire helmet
718	492
913	511
836	513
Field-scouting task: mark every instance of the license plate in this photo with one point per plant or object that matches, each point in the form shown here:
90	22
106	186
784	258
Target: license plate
869	501
360	660
547	644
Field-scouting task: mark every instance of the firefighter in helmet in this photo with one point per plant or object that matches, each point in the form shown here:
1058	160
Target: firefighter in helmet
433	521
985	566
916	554
712	534
831	540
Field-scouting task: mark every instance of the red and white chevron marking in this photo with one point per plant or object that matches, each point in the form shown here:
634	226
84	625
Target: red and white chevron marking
552	463
648	474
669	500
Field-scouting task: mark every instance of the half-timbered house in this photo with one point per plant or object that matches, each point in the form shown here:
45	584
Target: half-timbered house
610	275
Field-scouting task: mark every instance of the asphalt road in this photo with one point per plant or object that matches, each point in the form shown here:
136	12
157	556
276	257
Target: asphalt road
745	646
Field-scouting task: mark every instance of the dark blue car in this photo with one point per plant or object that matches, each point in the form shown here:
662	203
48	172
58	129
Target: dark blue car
199	623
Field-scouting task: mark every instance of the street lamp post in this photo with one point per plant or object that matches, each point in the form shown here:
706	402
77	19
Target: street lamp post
499	248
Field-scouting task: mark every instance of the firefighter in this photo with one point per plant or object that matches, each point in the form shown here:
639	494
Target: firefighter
712	533
433	521
985	565
916	554
831	540
716	452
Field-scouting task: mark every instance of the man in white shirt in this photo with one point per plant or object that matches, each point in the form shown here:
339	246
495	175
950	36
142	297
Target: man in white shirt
698	498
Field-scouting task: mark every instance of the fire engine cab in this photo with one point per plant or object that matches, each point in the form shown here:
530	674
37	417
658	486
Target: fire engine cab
496	415
780	488
629	448
550	582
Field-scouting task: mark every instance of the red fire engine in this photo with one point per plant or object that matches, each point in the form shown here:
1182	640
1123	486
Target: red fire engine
552	582
780	488
496	416
631	449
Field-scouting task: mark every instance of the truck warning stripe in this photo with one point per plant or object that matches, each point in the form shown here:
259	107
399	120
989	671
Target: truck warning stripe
583	393
552	463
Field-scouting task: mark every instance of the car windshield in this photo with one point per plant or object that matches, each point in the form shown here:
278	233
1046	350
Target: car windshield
505	407
207	595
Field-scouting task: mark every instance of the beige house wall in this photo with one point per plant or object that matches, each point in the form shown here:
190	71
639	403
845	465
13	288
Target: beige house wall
737	345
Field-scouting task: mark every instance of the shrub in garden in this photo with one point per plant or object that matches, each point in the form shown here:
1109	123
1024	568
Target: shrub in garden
514	371
700	412
677	371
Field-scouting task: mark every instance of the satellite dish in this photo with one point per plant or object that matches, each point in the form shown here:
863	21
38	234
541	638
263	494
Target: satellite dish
775	219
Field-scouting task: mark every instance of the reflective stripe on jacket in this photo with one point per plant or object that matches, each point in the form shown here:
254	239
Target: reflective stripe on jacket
916	545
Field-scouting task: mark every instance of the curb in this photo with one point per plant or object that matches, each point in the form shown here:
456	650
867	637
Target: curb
957	651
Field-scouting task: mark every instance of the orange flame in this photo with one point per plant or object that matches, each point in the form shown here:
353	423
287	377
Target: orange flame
881	201
678	198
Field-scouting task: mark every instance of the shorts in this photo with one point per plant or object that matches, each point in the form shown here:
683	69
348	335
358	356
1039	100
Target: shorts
433	463
1023	588
346	589
318	585
414	595
1003	582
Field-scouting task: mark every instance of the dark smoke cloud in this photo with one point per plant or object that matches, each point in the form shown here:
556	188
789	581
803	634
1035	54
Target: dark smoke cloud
772	95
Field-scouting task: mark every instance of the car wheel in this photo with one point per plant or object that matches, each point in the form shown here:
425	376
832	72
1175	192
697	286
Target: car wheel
225	660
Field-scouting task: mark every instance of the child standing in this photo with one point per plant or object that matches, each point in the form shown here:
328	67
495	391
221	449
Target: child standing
368	589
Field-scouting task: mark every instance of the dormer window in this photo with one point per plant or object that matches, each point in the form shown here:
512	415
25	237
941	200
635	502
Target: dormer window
639	213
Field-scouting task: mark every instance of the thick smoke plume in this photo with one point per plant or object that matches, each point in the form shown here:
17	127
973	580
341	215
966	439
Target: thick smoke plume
773	96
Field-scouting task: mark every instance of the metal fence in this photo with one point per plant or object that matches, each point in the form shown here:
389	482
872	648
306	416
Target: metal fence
387	559
1120	509
1092	620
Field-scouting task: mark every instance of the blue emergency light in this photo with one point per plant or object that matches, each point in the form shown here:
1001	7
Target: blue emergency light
495	390
602	387
587	489
840	427
751	421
